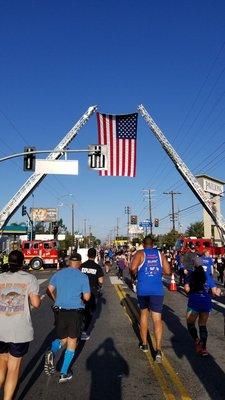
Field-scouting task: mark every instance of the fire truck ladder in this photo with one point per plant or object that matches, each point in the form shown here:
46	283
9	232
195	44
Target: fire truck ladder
185	173
34	180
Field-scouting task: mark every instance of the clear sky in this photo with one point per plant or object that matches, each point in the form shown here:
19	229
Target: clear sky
59	57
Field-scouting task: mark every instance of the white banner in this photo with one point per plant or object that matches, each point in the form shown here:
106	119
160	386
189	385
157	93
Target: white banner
60	167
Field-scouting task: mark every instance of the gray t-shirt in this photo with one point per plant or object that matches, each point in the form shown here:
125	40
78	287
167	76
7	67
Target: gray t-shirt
15	320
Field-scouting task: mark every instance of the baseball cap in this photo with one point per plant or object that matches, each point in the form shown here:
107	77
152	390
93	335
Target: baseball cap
75	257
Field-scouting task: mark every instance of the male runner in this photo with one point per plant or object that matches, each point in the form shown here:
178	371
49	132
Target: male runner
69	288
95	276
149	265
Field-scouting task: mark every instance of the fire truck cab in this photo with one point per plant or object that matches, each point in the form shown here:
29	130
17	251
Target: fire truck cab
38	253
183	245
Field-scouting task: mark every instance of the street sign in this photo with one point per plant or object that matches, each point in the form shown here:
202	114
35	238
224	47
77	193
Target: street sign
145	224
59	167
97	156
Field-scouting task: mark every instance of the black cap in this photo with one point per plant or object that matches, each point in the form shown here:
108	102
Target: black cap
75	257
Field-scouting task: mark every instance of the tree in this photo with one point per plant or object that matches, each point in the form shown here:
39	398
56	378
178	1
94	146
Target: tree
168	240
195	229
40	227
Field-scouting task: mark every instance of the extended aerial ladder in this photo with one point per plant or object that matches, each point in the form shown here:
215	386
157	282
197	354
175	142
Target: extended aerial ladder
34	180
185	173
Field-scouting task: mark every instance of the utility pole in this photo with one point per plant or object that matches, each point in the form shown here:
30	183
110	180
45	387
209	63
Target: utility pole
72	223
85	231
172	194
89	238
149	198
127	212
117	227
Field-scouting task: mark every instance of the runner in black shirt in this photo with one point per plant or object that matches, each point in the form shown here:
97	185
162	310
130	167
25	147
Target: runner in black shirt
95	275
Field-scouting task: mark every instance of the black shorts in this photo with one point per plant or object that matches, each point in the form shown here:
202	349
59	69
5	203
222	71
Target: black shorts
152	302
15	349
90	305
69	323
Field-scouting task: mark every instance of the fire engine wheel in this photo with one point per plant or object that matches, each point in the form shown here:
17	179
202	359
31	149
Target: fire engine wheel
36	263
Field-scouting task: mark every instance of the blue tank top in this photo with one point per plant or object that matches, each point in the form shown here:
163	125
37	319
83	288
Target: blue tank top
207	264
149	277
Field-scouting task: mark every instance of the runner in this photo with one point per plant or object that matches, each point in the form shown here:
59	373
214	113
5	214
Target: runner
121	264
149	265
18	289
199	306
95	276
69	288
107	264
220	266
207	263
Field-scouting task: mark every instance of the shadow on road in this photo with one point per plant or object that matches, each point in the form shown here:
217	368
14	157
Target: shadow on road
206	369
107	368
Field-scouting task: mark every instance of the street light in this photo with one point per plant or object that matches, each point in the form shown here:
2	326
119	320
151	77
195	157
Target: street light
70	205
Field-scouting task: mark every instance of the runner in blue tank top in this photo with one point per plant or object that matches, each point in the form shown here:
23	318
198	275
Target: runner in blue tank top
148	266
199	287
207	263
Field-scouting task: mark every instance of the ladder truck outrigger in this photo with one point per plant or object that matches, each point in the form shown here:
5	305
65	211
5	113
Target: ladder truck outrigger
34	180
185	173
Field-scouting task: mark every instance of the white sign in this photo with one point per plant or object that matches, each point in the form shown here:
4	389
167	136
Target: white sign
135	230
212	187
97	156
60	167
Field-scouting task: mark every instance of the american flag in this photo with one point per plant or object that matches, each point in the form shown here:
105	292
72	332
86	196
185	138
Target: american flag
119	132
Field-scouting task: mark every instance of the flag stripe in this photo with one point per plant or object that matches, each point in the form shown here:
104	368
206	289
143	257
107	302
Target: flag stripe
121	144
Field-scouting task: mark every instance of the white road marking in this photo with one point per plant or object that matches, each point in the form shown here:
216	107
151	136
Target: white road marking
218	303
40	281
115	281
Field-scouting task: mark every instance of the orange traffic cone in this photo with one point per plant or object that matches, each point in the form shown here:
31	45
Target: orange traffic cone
173	285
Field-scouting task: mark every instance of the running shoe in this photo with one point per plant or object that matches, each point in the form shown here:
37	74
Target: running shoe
204	353
65	377
198	346
143	347
158	357
49	367
84	336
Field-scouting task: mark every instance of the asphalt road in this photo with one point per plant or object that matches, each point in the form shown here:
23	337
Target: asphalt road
110	365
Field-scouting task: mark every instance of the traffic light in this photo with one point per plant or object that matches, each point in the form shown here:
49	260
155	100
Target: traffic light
29	159
156	222
24	210
133	219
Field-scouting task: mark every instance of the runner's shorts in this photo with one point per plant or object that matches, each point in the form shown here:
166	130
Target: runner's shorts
15	349
69	323
152	302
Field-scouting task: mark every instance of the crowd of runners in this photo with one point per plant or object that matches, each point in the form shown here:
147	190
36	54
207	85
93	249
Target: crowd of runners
75	289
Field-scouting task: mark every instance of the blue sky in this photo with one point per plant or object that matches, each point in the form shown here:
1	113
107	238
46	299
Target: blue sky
58	58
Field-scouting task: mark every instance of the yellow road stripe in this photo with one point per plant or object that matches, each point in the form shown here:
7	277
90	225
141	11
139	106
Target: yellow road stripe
121	298
158	373
166	363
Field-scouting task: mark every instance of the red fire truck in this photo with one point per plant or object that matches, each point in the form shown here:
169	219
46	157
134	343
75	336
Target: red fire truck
38	253
183	244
